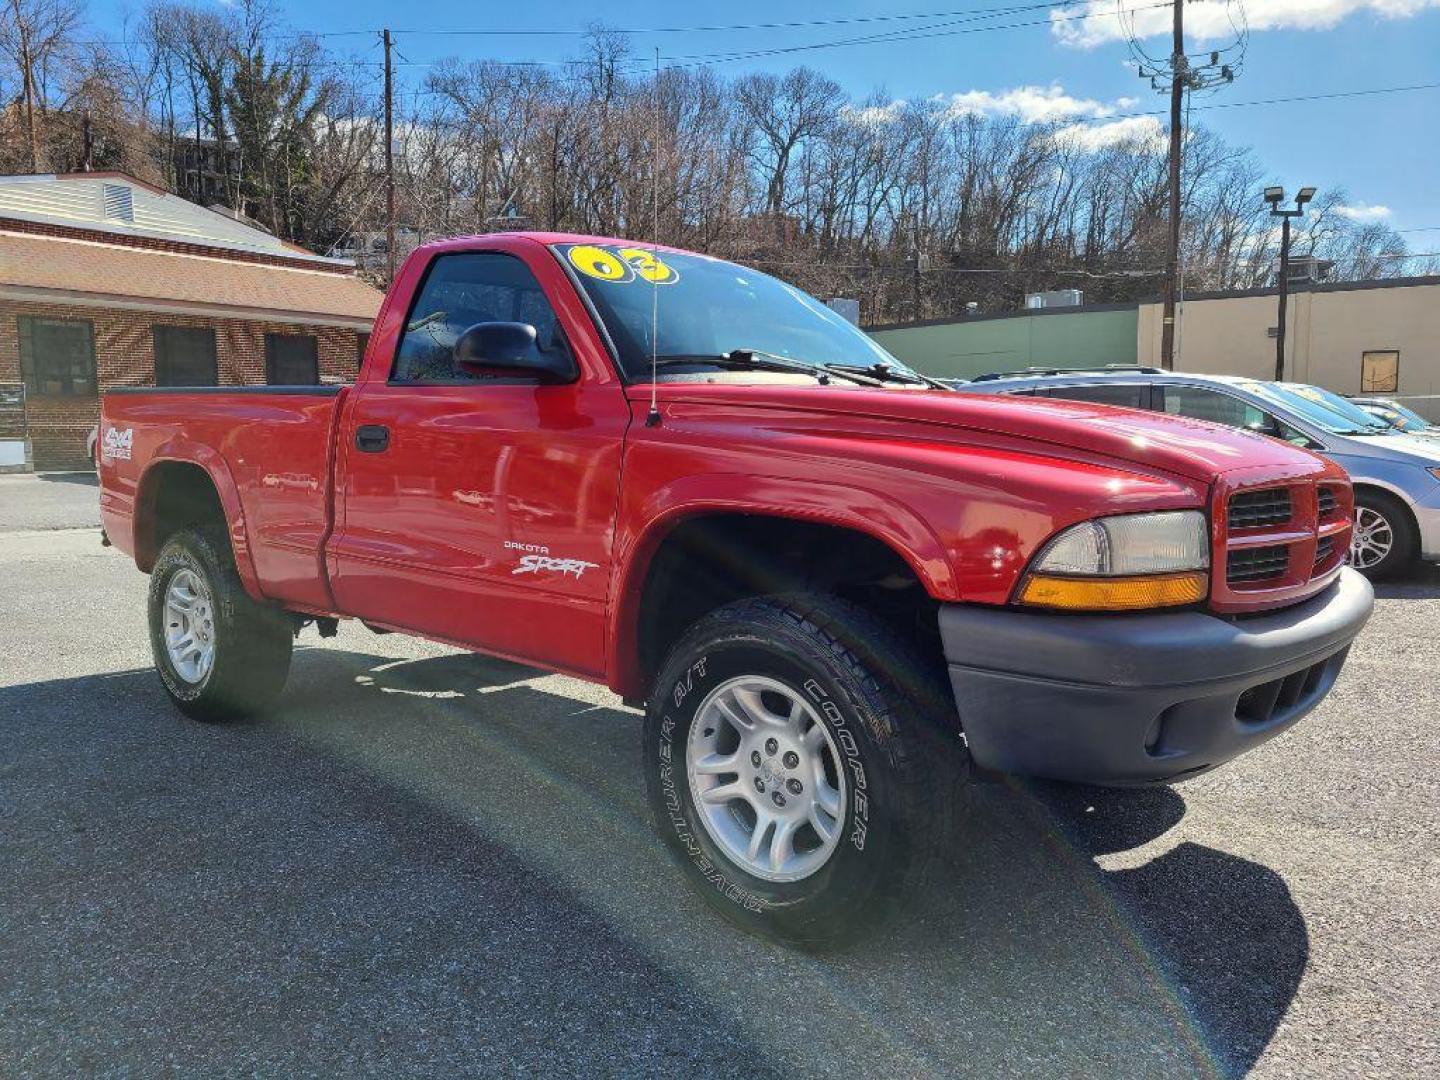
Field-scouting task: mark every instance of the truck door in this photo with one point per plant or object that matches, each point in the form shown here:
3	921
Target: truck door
479	509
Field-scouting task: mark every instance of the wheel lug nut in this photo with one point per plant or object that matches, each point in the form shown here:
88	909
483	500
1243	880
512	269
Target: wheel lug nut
759	784
755	758
793	786
771	746
791	759
779	799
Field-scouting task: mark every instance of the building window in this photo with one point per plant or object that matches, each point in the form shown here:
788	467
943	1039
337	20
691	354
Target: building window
291	360
185	356
362	342
57	356
1380	371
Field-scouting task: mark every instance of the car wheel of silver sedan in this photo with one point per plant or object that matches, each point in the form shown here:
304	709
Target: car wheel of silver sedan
1372	541
1385	539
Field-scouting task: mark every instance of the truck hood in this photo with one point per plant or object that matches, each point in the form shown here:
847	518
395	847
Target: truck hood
1183	447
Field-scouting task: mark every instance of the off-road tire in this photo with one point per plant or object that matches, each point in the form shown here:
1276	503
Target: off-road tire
253	642
1405	549
891	711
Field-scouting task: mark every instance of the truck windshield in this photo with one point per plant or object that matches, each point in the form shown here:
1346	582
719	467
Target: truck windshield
709	308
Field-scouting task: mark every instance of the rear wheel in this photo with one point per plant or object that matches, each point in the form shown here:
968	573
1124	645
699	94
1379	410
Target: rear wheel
1385	541
802	763
220	655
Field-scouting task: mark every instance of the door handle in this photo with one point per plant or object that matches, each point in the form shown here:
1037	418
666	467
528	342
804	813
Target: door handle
372	438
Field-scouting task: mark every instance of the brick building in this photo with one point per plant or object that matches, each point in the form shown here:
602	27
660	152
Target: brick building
106	281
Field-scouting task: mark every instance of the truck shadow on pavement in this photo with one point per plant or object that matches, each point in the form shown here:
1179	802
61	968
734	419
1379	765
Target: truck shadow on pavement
447	865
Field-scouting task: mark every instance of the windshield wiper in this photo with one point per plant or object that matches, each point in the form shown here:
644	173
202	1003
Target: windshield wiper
885	373
758	360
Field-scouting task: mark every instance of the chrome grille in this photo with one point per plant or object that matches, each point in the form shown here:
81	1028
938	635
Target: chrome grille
1249	565
1327	502
1251	509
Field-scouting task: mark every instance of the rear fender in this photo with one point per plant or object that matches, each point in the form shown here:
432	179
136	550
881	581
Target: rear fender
184	451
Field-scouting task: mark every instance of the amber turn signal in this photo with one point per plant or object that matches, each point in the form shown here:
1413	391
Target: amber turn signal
1113	593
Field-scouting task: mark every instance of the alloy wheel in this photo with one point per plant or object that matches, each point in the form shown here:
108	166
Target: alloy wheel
1372	539
767	778
189	626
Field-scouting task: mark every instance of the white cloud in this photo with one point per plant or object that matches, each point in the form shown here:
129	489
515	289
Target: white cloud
1084	123
1031	104
875	115
1145	131
1210	20
1363	213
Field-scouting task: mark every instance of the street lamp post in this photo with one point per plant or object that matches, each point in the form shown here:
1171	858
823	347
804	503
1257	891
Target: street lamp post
1275	196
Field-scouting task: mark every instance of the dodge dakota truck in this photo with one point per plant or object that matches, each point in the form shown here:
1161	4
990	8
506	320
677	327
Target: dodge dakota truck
837	588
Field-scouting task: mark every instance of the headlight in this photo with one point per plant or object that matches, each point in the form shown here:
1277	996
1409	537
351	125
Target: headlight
1122	563
1435	472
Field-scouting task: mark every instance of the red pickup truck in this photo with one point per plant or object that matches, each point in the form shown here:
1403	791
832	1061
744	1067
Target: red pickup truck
834	585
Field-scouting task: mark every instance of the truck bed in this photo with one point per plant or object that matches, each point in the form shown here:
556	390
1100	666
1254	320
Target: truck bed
268	450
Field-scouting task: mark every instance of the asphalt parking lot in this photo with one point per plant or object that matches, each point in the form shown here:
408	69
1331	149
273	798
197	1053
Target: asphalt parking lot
428	863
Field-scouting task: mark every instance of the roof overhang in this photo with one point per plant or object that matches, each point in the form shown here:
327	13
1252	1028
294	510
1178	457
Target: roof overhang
119	301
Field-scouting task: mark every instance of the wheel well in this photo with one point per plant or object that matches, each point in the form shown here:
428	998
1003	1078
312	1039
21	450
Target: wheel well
178	495
706	562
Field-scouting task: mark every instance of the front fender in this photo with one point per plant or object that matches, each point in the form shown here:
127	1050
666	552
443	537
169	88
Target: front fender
644	530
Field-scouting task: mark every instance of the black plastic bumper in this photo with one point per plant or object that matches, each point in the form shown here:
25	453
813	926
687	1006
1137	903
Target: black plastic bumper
1134	699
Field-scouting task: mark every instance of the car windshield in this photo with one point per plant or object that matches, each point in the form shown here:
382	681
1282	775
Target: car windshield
1314	408
1406	419
1337	404
706	307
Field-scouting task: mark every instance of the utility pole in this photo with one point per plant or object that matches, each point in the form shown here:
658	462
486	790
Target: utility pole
1274	196
1179	72
87	139
1176	76
389	164
1284	299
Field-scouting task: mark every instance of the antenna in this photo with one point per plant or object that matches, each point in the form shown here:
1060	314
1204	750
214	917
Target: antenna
653	418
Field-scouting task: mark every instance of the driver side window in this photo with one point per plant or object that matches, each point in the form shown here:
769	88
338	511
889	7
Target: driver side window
459	291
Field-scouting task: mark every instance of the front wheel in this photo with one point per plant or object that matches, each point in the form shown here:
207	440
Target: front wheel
802	763
1385	541
220	655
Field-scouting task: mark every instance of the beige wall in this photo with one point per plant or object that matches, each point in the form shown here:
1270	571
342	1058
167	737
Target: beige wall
1328	331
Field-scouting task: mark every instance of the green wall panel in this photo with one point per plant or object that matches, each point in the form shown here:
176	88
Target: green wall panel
962	350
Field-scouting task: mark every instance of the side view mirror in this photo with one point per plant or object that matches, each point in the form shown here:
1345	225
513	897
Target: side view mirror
490	347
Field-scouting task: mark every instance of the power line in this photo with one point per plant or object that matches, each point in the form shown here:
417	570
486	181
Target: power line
1263	101
919	34
736	27
714	28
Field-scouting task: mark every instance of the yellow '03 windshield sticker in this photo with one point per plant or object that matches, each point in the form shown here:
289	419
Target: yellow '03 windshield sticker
621	265
596	262
648	265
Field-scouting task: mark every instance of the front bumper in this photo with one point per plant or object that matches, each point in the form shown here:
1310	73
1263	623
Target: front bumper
1134	699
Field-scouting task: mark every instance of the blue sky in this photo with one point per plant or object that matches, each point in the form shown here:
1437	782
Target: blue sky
1384	149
